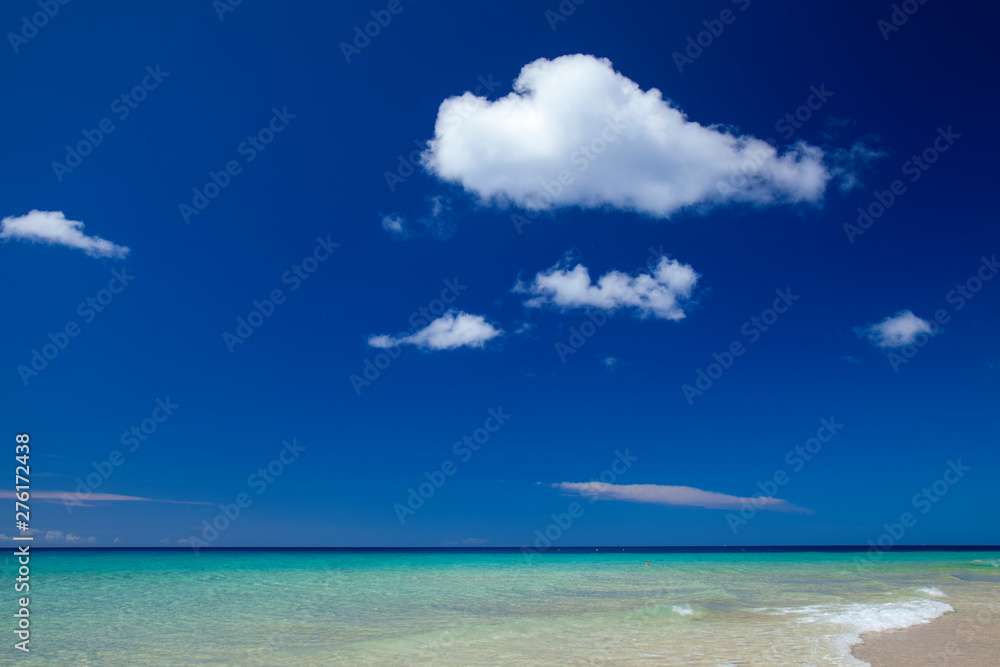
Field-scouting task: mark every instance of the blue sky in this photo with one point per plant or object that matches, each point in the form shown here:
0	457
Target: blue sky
876	336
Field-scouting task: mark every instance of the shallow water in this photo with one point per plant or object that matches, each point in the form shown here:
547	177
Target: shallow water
483	607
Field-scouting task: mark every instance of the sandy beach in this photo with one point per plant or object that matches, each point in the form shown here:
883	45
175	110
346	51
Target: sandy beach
969	637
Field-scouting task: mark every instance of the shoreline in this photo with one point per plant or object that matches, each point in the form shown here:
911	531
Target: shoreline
966	637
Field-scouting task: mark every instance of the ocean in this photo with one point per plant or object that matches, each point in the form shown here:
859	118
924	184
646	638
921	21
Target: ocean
578	606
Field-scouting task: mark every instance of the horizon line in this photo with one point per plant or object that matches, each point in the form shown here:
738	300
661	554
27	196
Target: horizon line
800	547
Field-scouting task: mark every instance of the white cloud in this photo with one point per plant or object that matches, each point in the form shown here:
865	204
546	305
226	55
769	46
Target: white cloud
451	330
896	331
674	495
611	363
661	294
53	535
611	144
395	224
52	227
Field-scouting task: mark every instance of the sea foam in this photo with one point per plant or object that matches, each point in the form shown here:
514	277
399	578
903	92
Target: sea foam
857	619
933	591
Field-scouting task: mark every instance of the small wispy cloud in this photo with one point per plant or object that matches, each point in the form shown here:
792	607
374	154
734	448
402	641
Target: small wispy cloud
87	499
52	227
661	294
674	495
437	222
846	164
524	328
896	330
611	363
452	330
58	536
395	224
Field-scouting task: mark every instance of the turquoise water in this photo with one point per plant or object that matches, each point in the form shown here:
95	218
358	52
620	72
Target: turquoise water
304	607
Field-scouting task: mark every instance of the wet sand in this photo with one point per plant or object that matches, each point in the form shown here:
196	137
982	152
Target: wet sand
969	637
